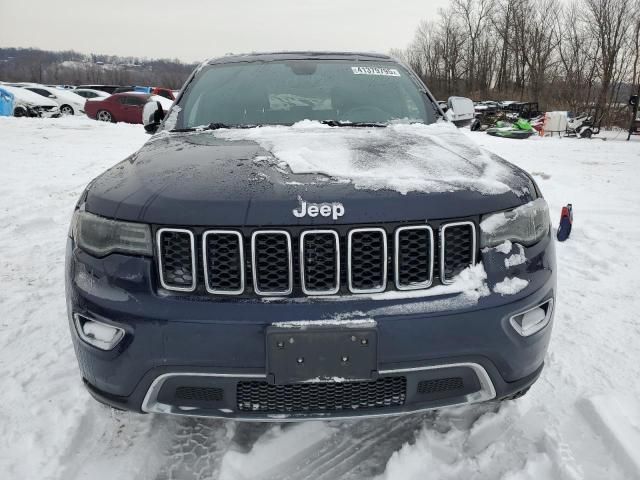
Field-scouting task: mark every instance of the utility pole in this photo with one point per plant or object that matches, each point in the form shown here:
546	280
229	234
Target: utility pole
633	103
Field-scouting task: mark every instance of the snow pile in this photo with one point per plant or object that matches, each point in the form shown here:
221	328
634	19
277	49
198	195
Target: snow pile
469	286
332	322
510	286
517	258
273	449
401	157
46	164
505	247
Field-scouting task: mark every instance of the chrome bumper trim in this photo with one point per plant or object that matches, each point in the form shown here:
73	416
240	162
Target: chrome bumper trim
152	405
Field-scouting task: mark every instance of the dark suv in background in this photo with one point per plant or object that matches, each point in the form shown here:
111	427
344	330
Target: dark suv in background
307	237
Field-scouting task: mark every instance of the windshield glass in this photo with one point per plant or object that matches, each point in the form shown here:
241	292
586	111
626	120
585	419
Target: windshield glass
286	92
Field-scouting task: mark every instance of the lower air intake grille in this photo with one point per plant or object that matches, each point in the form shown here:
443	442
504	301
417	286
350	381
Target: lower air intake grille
177	259
321	397
203	394
440	385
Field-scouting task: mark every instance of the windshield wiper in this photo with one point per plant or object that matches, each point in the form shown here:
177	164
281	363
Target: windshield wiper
345	123
212	126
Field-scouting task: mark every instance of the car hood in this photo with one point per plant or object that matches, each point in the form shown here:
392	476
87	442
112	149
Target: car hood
258	176
72	98
27	97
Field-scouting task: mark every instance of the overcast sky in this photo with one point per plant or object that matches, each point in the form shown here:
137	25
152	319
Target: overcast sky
193	30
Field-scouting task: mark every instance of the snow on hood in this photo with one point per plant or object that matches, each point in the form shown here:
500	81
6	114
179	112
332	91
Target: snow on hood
69	96
22	95
400	157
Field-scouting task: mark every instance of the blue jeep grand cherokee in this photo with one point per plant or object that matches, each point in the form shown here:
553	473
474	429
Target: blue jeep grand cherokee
306	236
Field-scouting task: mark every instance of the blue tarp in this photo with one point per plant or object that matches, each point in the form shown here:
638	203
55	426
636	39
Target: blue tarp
6	103
142	89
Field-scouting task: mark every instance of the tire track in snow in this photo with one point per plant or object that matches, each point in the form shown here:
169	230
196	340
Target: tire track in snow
196	449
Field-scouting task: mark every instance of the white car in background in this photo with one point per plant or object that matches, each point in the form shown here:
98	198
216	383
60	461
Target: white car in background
29	104
90	93
69	102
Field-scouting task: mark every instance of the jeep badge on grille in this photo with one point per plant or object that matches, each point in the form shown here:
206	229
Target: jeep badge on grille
334	210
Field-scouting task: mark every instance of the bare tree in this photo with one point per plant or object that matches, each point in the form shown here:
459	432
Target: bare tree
475	15
543	36
609	22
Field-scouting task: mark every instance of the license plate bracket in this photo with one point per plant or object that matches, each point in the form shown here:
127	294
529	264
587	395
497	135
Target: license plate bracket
321	354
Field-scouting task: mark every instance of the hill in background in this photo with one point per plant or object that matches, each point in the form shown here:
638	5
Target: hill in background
73	68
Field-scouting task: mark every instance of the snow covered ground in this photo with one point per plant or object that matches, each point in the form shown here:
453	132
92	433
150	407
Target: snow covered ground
580	421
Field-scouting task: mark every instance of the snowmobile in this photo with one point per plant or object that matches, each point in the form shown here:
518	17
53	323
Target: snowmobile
526	110
518	130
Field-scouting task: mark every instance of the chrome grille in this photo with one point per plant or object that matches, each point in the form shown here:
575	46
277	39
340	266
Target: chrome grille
299	261
177	262
367	258
414	257
320	262
457	249
272	262
223	258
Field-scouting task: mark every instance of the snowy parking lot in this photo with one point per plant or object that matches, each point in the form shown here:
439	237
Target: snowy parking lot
581	420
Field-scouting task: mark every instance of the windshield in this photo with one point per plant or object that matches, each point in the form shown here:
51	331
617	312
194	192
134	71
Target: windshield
286	92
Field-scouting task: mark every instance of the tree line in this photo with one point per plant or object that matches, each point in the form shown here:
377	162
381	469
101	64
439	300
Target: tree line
73	68
581	56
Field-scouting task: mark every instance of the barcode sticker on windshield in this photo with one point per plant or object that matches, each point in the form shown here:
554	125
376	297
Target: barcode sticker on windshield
386	72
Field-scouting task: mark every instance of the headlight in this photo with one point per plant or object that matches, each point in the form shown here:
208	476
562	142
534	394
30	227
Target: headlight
101	236
526	225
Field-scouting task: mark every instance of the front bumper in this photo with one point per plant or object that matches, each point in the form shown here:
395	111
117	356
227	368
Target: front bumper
219	346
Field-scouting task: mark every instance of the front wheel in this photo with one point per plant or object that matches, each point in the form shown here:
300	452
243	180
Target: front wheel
20	112
66	110
104	116
586	133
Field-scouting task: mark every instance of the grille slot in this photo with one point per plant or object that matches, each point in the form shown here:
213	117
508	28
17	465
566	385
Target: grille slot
176	259
457	249
414	257
202	394
223	257
320	262
367	258
256	396
272	262
440	385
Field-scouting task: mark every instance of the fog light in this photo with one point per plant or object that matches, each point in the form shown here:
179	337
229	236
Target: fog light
98	334
533	320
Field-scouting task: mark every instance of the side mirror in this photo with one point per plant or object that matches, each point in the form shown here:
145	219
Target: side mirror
461	111
51	95
152	116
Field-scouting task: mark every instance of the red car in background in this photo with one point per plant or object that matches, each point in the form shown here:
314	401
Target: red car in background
162	92
119	107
